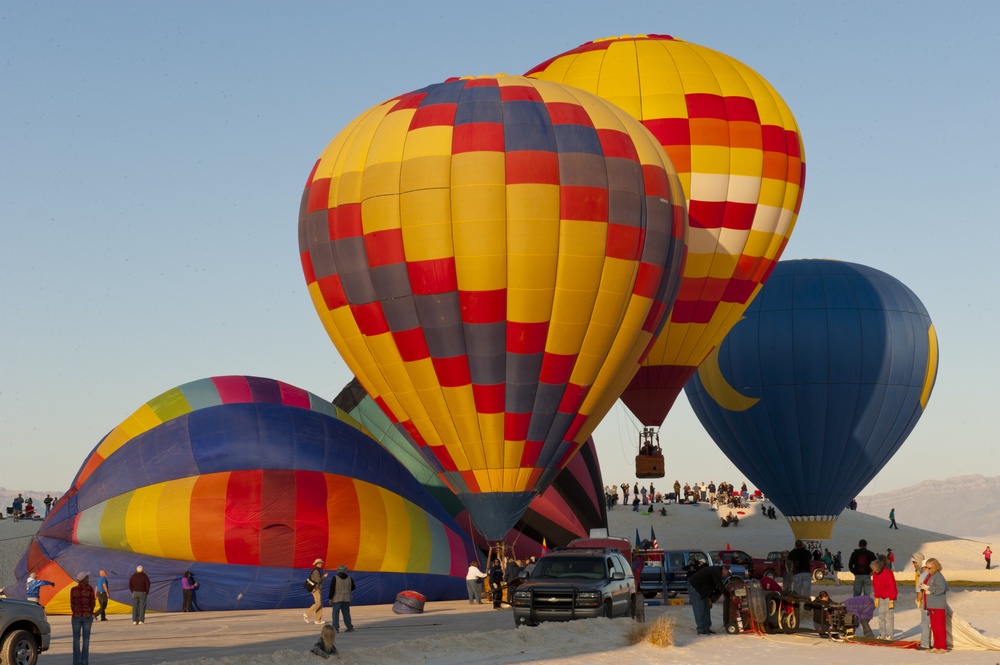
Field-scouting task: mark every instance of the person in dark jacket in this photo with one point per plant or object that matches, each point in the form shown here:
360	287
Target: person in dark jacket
860	565
496	583
511	573
138	584
341	589
703	586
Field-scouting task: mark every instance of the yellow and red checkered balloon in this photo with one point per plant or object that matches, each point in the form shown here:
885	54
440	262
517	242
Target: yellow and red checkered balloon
492	256
739	155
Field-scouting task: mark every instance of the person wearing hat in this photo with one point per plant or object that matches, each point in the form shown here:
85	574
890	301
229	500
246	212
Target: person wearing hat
315	586
33	587
920	575
81	605
340	598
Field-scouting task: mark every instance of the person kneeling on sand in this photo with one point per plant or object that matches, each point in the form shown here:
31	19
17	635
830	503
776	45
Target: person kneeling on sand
326	646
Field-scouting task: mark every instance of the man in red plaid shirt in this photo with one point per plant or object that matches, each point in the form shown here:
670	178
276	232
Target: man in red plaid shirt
81	604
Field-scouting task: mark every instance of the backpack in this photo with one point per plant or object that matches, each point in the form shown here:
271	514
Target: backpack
310	585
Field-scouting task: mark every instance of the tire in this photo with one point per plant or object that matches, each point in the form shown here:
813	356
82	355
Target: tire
671	594
19	648
648	594
819	574
789	622
732	628
769	574
773	604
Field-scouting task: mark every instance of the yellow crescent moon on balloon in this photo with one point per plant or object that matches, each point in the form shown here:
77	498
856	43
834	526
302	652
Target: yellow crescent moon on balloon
718	388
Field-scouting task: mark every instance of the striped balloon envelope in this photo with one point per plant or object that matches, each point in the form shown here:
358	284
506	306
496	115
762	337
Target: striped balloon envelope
569	508
815	390
492	257
245	481
739	155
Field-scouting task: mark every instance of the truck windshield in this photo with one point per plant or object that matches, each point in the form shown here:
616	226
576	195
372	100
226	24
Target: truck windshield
590	568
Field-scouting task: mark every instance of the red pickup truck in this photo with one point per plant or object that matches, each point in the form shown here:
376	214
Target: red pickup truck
774	566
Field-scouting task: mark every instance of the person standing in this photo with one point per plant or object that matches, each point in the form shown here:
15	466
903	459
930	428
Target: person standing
188	585
860	566
473	585
510	574
138	584
884	588
341	589
919	577
102	595
702	585
987	554
314	583
496	583
935	590
81	605
33	588
48	504
892	519
639	602
890	559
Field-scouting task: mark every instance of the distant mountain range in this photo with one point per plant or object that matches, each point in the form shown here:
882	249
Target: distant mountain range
962	506
7	498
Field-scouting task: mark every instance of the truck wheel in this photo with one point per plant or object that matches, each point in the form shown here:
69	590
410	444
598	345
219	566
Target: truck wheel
649	594
819	574
19	648
769	574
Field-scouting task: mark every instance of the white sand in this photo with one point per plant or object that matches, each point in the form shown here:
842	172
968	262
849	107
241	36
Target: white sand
455	633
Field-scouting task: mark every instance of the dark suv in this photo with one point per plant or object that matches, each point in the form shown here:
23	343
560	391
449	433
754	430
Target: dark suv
575	584
24	632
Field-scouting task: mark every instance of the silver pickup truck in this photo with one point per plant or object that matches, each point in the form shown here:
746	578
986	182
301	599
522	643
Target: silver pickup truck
24	632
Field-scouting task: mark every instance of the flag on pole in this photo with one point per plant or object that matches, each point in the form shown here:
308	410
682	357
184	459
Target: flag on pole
545	550
652	536
638	543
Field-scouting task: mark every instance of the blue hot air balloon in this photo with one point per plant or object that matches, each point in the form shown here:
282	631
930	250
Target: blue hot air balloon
819	384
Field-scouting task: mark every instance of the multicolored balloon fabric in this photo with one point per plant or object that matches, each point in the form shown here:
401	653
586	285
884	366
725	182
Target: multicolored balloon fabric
492	257
244	482
739	155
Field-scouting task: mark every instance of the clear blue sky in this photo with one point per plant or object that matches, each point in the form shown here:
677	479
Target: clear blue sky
152	156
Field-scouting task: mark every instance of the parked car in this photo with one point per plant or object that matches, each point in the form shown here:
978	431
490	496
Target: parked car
575	584
740	563
24	632
774	566
666	571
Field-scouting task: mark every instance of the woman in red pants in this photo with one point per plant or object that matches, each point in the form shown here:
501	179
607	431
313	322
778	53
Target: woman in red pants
935	590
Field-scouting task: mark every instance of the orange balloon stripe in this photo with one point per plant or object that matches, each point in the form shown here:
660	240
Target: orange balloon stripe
207	513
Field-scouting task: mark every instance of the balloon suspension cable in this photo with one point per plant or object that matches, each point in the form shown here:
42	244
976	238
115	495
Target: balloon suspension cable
631	420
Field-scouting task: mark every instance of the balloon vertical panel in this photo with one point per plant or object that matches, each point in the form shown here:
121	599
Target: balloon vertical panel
740	160
497	294
819	385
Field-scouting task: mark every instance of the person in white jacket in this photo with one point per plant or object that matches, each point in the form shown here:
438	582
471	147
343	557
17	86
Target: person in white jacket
473	582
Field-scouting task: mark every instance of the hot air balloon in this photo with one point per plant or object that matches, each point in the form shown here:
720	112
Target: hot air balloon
569	508
244	481
491	257
818	386
739	155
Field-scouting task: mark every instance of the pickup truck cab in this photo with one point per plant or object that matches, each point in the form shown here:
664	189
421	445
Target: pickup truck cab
666	571
774	566
740	563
